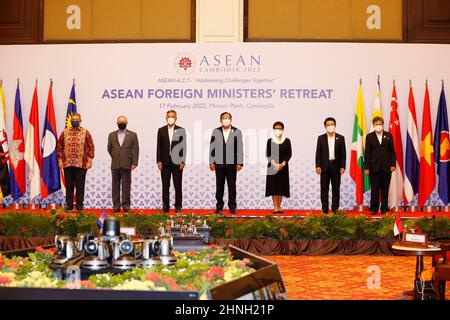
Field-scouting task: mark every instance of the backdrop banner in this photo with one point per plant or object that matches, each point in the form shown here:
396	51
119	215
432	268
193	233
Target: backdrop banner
299	84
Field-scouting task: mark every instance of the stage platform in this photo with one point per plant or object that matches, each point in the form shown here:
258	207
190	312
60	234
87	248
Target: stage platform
256	213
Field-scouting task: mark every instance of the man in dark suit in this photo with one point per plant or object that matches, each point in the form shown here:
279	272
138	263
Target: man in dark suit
171	159
226	158
330	164
123	147
379	163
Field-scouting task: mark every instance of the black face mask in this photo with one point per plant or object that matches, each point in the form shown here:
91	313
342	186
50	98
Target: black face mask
122	126
75	123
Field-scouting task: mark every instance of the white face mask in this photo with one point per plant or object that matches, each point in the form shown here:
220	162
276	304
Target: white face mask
331	129
226	122
378	128
278	132
170	121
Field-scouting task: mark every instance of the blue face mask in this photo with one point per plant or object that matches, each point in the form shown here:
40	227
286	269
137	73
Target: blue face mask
75	123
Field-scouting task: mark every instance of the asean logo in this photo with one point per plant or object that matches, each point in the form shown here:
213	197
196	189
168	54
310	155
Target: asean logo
185	63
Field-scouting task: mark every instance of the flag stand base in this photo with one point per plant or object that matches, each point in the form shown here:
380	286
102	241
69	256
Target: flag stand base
360	208
412	208
53	206
397	209
33	206
429	209
16	206
444	208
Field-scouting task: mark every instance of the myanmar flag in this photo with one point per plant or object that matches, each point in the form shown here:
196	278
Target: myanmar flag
357	151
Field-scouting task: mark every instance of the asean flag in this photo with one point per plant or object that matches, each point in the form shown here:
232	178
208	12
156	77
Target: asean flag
50	181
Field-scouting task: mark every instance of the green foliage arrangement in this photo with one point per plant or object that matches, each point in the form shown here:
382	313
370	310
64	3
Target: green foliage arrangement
337	226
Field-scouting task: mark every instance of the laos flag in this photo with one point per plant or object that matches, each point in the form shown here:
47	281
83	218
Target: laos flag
50	181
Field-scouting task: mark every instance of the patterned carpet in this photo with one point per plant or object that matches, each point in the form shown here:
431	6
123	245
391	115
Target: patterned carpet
347	277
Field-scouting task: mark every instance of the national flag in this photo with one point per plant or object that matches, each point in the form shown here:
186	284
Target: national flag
398	226
33	156
442	147
412	155
396	185
51	180
427	178
357	150
377	111
101	218
4	152
71	109
16	159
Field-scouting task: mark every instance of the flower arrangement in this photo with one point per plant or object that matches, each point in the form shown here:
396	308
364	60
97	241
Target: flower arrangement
193	271
333	226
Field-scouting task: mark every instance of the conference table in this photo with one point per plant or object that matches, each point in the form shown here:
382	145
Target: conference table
419	252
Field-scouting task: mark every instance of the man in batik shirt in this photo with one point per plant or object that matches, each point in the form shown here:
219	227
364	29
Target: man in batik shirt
75	155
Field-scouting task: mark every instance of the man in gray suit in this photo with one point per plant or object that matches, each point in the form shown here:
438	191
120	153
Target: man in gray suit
123	147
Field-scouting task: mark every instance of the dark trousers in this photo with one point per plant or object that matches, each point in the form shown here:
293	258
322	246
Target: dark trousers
75	178
177	174
332	174
379	185
121	176
228	173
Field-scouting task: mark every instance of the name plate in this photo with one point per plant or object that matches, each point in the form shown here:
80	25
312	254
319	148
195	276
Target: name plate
129	231
415	238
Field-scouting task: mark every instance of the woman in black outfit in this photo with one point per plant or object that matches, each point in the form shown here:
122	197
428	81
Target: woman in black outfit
278	153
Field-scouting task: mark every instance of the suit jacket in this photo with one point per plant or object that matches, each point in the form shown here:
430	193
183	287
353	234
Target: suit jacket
171	153
230	152
322	152
379	158
125	155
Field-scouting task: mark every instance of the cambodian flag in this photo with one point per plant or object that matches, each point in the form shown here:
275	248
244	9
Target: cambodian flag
51	181
412	164
101	218
442	149
16	152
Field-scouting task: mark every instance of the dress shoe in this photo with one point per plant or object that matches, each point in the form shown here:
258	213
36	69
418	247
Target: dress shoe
218	211
178	210
383	211
325	211
116	210
165	210
233	211
373	212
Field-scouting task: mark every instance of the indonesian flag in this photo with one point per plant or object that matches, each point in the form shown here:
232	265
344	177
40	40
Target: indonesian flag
377	111
396	185
357	150
398	226
33	157
427	179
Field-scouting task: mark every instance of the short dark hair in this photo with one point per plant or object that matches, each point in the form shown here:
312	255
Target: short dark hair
377	118
225	113
171	111
278	123
75	114
329	119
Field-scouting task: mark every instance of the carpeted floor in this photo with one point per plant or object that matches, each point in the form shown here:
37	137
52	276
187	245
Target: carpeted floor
346	277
